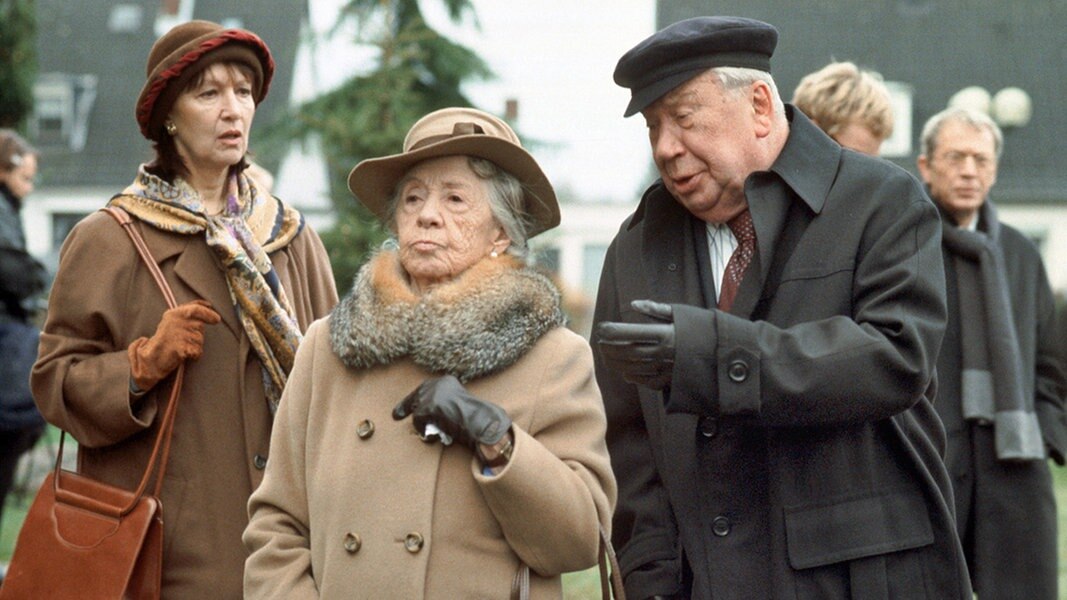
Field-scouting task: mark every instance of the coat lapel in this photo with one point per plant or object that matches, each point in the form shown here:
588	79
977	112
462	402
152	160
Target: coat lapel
782	201
669	259
197	268
769	208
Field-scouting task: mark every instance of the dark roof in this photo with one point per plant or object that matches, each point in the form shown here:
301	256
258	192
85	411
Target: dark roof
74	38
938	48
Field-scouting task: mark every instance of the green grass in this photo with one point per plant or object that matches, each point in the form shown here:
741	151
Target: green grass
584	585
1059	477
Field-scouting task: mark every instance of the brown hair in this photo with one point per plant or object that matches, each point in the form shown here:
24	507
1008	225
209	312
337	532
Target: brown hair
12	148
841	93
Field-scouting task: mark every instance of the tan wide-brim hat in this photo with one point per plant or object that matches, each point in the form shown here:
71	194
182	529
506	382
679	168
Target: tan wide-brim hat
452	132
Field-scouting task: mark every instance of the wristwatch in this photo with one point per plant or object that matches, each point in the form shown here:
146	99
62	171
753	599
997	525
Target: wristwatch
501	452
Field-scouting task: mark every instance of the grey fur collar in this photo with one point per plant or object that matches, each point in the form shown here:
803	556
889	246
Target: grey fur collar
480	323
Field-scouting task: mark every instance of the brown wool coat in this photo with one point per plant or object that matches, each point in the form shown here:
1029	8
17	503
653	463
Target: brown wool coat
342	516
103	299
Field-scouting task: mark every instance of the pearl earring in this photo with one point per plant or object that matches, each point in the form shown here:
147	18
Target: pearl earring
171	128
493	254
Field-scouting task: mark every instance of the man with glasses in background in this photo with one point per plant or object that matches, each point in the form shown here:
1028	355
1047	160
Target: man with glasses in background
1001	382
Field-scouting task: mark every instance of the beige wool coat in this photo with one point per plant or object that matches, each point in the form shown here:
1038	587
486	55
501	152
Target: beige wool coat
355	505
103	298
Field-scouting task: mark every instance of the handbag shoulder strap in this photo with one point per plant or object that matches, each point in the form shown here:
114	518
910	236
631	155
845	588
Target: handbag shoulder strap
161	448
610	583
166	428
126	221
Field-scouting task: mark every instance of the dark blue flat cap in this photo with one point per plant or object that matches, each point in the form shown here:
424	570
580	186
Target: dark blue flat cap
679	52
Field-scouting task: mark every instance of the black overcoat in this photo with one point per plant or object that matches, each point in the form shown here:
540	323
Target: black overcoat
1007	510
799	455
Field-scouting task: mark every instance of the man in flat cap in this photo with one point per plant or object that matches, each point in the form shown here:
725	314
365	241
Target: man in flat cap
767	326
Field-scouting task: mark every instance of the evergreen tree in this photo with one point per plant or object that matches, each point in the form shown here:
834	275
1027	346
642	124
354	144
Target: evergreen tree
17	61
418	70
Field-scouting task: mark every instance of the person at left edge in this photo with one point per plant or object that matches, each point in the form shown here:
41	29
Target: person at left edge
451	338
782	445
249	277
22	279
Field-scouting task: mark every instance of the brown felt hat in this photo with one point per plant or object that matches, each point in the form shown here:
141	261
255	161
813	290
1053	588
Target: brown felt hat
186	50
451	132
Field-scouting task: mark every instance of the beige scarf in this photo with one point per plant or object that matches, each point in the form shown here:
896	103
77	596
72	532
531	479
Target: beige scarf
251	225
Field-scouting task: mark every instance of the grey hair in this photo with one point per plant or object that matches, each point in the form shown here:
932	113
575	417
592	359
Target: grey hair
507	201
733	79
976	119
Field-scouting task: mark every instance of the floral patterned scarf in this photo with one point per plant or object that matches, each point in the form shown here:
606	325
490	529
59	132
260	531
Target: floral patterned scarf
252	224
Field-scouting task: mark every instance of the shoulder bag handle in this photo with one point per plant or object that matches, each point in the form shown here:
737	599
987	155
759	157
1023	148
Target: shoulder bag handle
610	581
162	445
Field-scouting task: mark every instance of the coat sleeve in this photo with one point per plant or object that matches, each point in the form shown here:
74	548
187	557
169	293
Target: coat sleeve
1050	383
860	367
644	532
559	467
278	533
21	275
81	378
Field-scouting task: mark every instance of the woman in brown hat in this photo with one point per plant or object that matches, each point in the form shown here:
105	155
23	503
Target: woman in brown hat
249	277
442	432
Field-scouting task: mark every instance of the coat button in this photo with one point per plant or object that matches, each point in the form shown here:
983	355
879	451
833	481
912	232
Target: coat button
352	543
720	526
672	267
365	429
737	371
709	426
413	542
259	461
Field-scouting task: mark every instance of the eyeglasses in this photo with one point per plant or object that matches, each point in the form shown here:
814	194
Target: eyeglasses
982	162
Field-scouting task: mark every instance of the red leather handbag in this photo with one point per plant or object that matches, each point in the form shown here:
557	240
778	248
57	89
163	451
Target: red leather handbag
83	538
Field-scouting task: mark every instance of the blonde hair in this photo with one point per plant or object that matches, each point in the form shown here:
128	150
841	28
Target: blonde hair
841	93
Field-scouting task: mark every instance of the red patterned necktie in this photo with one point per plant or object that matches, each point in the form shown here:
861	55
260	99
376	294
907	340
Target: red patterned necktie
743	230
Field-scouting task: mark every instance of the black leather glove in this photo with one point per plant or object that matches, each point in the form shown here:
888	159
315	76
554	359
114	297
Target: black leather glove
446	404
642	352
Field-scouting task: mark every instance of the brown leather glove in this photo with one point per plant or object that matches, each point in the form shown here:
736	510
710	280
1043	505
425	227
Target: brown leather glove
179	337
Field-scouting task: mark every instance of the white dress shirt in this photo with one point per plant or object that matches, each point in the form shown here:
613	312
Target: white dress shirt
721	246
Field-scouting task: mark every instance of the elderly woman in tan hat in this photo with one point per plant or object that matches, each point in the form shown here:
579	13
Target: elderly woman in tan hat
249	277
442	435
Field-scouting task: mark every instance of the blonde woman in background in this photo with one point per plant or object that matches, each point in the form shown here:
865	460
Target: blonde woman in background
850	104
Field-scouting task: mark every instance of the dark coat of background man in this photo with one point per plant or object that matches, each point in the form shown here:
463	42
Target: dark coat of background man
784	446
1002	384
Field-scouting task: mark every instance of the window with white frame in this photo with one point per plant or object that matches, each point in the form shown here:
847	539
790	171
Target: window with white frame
125	18
900	97
62	105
